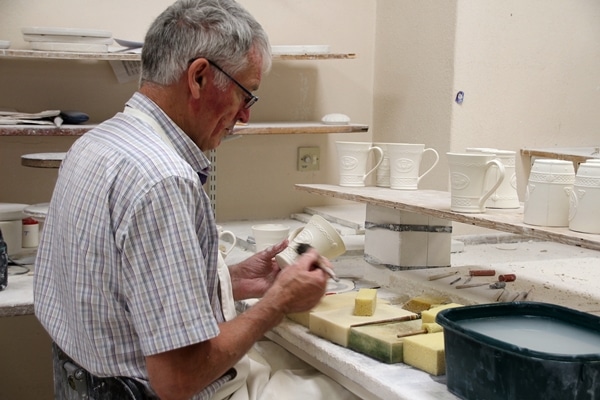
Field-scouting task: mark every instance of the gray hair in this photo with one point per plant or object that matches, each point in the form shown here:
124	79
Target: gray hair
219	30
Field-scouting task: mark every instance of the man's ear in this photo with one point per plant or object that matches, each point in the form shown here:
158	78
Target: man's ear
195	77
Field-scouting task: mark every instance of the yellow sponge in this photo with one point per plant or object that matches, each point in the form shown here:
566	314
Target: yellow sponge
365	302
329	302
426	352
421	303
428	316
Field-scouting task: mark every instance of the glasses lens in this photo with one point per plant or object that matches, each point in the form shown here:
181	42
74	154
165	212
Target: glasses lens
250	101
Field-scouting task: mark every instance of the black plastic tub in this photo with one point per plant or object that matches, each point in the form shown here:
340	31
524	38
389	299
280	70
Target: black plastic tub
522	350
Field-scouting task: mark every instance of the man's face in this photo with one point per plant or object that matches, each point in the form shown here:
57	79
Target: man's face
221	109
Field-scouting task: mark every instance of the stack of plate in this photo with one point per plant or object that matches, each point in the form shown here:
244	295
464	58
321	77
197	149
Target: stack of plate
67	39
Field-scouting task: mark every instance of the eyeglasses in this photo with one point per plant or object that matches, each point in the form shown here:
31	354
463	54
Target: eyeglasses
250	98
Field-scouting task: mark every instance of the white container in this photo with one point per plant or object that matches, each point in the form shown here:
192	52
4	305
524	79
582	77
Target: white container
267	235
547	195
584	213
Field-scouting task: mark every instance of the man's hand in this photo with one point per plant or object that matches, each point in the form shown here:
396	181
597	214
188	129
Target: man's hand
252	277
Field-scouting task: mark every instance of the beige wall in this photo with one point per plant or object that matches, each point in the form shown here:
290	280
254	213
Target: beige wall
260	170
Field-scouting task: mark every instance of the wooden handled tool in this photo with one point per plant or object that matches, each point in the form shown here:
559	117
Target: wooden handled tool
442	275
403	318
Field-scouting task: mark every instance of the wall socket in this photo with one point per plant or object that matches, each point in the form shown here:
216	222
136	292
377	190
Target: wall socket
309	159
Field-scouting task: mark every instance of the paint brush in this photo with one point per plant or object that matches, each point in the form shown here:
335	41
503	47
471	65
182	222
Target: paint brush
303	248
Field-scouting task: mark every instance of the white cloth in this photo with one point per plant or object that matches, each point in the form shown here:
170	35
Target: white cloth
270	372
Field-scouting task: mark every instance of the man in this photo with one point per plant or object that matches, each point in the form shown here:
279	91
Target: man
126	276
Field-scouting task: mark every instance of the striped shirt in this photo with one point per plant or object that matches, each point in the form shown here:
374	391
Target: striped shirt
127	260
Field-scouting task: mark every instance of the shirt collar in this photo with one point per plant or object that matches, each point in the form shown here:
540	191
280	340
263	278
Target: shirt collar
183	145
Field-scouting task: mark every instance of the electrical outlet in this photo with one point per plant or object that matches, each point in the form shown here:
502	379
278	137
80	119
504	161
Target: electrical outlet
308	159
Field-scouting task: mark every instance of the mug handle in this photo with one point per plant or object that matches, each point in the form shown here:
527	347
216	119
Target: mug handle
233	240
500	178
379	151
437	159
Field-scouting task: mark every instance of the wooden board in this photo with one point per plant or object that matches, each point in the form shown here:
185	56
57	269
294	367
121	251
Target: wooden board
574	154
269	128
437	204
258	128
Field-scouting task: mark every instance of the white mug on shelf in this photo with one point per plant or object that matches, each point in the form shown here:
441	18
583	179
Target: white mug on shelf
403	165
226	237
548	193
584	213
352	162
505	196
467	178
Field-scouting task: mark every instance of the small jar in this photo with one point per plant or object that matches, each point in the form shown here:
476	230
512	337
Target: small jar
31	233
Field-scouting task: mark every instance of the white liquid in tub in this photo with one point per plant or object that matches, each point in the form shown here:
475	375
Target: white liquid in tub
539	334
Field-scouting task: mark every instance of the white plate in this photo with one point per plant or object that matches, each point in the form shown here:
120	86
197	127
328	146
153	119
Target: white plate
40	30
66	39
300	49
74	47
129	43
4	44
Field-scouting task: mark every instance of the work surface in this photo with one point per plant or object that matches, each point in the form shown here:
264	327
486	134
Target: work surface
551	272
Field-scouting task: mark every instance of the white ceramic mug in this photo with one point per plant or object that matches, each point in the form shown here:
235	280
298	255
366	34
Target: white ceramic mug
505	196
352	162
403	164
318	233
547	194
266	235
467	179
584	213
226	237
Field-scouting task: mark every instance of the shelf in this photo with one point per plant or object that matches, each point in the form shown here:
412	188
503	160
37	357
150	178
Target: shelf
122	56
574	154
67	55
259	128
437	204
271	128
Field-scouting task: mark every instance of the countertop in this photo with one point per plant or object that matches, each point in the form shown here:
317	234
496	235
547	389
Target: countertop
548	272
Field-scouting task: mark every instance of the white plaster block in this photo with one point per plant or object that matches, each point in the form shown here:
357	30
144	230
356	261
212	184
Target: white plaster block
404	240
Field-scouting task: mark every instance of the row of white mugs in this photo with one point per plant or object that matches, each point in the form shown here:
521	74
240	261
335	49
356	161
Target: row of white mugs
477	176
483	178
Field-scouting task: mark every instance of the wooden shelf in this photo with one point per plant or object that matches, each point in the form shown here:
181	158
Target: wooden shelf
259	128
574	154
122	56
437	204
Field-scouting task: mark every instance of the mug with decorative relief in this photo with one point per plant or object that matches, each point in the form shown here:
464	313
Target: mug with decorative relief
548	193
506	195
353	162
468	193
318	233
584	213
401	164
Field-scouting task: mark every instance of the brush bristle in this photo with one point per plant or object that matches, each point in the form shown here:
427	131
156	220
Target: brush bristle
302	248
